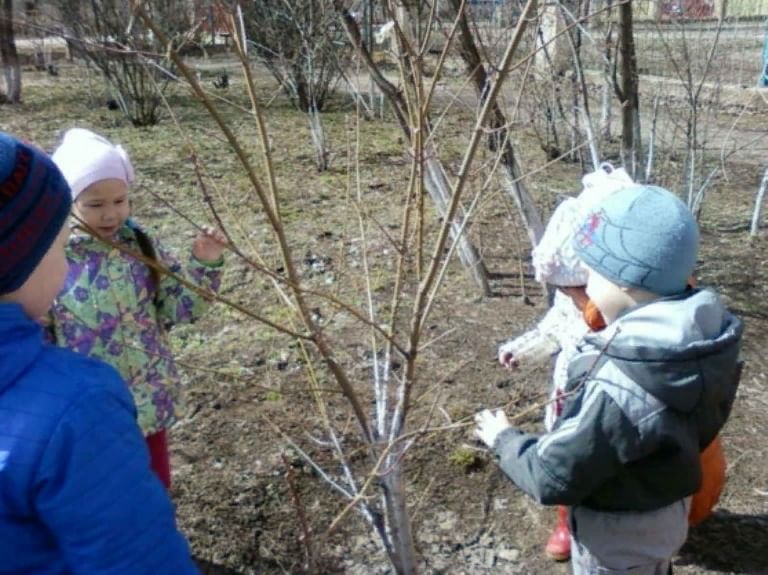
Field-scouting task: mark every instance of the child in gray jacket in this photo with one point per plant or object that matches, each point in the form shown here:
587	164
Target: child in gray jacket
644	396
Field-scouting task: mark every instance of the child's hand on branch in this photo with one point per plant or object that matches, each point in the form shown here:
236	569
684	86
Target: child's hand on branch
489	425
209	245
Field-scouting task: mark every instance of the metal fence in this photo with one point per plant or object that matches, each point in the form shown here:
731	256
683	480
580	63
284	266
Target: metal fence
733	51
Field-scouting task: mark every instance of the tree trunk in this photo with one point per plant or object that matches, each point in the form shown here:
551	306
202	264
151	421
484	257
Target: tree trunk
439	189
755	227
403	554
631	146
498	138
8	55
318	140
606	95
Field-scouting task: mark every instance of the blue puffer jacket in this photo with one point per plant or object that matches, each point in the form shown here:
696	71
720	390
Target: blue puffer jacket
76	492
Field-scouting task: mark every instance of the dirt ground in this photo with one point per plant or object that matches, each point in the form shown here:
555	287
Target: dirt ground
236	481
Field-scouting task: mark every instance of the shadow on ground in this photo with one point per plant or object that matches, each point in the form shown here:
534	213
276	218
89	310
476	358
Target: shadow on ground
729	542
208	568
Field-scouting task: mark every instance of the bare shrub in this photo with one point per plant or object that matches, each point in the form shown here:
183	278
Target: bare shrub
302	45
106	35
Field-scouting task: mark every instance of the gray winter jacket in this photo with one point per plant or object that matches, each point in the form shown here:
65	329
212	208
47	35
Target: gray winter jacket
647	394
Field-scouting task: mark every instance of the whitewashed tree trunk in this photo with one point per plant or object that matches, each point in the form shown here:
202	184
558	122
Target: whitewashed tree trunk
404	555
755	227
652	139
439	189
318	139
9	57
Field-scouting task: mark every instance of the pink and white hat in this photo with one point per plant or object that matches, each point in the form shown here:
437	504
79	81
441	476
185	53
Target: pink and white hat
85	158
554	258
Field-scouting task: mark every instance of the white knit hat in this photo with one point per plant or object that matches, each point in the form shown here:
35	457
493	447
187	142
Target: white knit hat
554	258
86	158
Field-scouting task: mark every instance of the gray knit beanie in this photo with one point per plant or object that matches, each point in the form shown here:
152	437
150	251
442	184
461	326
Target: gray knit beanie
641	237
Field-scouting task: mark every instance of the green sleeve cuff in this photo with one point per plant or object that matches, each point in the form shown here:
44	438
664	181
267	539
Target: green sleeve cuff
217	263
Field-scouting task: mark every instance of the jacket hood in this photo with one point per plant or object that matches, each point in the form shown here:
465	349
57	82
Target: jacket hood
21	340
680	349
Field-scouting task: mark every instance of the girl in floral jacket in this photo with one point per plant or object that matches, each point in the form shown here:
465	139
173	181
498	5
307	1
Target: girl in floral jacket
114	306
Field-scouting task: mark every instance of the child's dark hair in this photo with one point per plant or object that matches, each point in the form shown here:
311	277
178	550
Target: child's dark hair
147	249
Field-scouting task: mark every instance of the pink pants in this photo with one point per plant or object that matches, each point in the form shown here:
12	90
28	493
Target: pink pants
159	459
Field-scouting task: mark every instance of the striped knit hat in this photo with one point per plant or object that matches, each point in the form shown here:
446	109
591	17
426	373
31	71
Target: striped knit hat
34	205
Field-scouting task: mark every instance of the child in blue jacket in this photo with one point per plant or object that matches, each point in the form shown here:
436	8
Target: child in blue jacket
76	491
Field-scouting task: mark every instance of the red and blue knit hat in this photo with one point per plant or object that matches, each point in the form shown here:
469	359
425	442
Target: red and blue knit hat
34	205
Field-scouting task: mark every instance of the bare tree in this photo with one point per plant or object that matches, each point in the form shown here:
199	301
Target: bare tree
435	180
583	127
303	46
692	69
9	56
374	487
106	35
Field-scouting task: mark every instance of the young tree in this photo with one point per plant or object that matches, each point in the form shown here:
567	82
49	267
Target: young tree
694	68
302	45
411	50
395	326
759	198
498	137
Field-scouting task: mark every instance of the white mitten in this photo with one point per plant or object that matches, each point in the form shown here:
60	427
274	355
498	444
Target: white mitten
531	347
561	326
490	424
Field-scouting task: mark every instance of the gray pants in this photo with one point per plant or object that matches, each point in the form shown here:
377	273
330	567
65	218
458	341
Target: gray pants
627	543
583	563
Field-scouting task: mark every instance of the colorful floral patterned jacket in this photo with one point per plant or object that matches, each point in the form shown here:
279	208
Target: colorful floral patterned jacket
111	308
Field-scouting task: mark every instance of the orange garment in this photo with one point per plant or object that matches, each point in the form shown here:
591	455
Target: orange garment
712	458
712	482
592	316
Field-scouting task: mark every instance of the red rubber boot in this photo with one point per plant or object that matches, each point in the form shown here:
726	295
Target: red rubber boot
559	544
